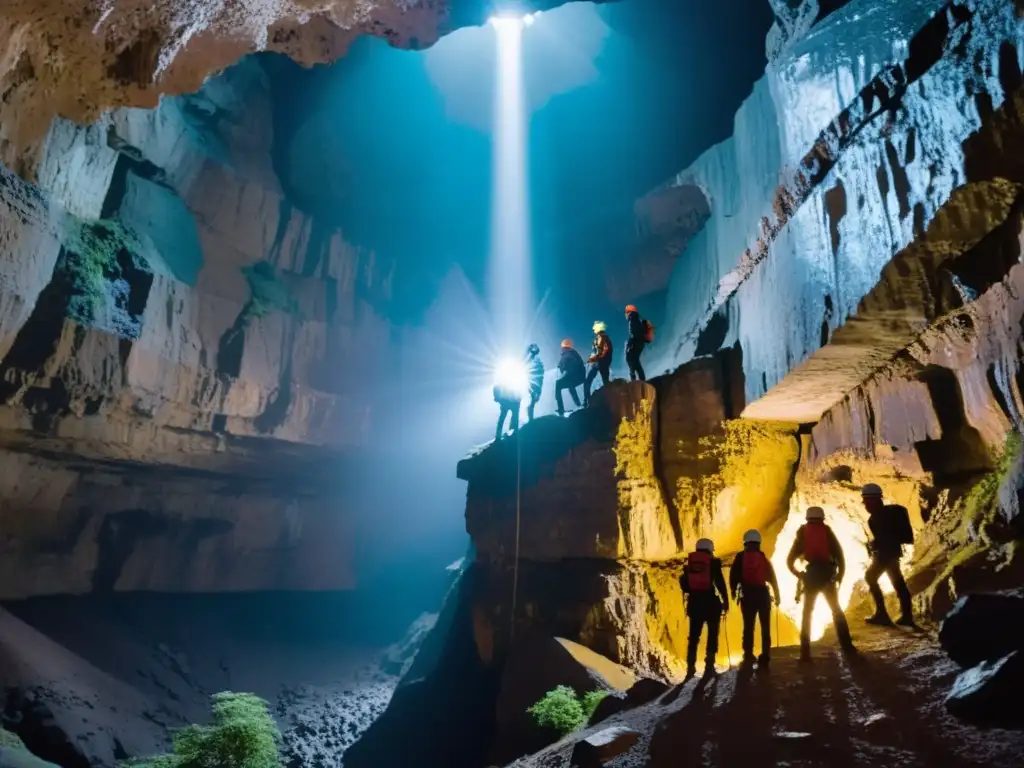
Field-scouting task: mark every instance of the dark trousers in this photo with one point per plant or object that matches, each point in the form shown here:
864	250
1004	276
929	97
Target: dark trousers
534	397
633	352
595	368
507	408
756	604
826	589
569	385
889	564
703	611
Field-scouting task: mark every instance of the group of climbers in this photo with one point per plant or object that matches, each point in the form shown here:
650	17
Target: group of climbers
817	547
573	372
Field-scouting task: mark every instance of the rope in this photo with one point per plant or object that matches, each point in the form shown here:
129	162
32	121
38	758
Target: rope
515	565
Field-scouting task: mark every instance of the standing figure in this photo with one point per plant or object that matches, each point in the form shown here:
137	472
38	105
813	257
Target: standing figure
509	401
750	576
819	548
890	530
600	362
640	333
703	583
535	370
570	375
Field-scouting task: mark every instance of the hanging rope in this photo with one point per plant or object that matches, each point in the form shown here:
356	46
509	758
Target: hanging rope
515	562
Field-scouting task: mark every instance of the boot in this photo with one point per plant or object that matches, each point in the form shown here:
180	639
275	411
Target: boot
691	672
748	660
906	620
879	620
763	661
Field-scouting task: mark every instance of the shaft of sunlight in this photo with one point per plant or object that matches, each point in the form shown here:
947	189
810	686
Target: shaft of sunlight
510	272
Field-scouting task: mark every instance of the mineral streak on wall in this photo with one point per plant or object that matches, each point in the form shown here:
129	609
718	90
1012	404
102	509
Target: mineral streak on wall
846	152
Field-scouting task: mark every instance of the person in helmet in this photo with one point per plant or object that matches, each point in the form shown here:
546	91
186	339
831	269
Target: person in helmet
706	599
825	567
571	374
635	342
535	370
890	531
600	362
749	578
509	401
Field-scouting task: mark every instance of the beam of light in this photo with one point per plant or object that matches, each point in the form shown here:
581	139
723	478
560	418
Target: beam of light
510	375
848	521
510	273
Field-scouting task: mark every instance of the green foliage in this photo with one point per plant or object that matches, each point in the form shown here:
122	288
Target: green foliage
243	735
91	250
559	710
590	701
268	293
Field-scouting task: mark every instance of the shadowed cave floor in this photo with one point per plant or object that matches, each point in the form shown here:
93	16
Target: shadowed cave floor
885	709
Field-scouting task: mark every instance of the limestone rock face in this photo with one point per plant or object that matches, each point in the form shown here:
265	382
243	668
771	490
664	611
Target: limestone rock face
172	414
64	57
888	143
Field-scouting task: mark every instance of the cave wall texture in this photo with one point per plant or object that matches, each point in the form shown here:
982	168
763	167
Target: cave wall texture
846	309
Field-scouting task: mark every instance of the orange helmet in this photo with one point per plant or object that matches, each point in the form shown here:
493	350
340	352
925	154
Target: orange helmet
566	343
630	308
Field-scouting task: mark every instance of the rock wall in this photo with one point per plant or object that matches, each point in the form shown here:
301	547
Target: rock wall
165	311
874	133
608	502
63	57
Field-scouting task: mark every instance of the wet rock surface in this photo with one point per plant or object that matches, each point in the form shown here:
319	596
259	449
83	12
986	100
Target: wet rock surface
887	710
984	694
984	627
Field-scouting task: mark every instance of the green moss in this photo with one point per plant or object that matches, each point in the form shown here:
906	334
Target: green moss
90	261
267	292
243	735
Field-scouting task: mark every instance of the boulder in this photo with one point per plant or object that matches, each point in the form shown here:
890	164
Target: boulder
537	664
642	692
984	627
984	694
600	748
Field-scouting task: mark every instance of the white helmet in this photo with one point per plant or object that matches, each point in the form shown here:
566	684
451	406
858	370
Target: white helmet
871	489
751	537
815	513
599	326
706	544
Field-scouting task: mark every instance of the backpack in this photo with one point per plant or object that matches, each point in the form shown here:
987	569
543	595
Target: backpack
648	331
900	521
698	572
755	569
816	549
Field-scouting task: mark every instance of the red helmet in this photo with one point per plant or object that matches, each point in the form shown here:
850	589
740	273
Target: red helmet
566	343
630	308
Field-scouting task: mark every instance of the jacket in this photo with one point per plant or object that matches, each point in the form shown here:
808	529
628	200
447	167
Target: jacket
636	330
736	574
602	349
535	369
834	548
717	581
887	530
570	367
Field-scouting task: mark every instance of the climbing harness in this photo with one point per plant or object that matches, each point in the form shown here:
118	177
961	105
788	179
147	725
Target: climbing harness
515	562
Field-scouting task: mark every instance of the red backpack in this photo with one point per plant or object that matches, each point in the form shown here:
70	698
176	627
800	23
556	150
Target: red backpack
698	571
816	549
755	568
648	331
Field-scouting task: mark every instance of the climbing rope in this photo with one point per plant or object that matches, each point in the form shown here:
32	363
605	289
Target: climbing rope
515	562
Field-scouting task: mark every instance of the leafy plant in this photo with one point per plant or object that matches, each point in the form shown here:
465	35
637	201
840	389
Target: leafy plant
559	710
243	735
562	711
590	701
